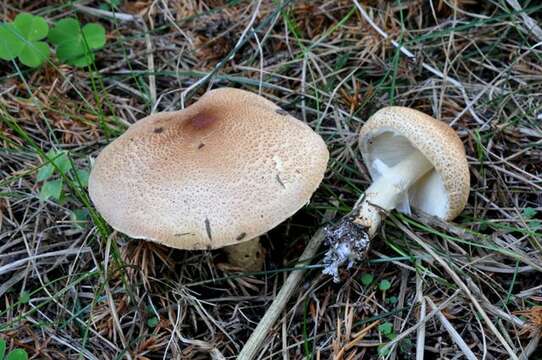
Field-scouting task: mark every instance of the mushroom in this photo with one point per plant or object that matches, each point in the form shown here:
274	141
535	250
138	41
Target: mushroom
415	162
219	173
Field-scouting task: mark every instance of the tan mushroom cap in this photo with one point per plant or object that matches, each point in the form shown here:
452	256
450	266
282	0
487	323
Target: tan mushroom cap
224	170
394	132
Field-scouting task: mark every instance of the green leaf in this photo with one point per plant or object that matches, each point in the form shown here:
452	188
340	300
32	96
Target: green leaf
75	45
70	51
384	285
65	31
20	38
51	189
24	298
94	35
32	28
34	54
529	212
383	350
392	300
10	44
367	279
62	161
82	177
2	348
534	225
45	173
153	322
110	4
17	354
342	60
79	216
83	60
386	328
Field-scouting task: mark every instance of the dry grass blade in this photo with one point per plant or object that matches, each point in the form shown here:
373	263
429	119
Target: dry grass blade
530	23
462	286
457	339
256	339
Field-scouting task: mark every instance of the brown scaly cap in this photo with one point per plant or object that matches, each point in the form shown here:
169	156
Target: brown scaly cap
437	141
226	169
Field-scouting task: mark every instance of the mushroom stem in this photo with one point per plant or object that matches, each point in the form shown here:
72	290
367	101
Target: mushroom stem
247	256
350	238
389	190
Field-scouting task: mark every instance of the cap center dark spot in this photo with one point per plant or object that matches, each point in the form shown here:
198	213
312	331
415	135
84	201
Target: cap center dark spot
158	130
202	121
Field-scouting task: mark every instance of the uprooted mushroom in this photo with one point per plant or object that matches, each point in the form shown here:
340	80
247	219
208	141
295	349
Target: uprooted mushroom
416	162
219	173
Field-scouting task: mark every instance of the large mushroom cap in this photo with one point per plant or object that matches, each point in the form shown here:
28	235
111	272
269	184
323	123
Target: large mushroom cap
226	169
393	133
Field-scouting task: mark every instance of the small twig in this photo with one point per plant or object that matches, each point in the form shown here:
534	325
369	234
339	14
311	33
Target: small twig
456	338
259	334
461	285
403	49
169	16
334	92
260	51
531	346
150	65
420	323
357	339
420	334
400	305
304	87
529	22
148	42
426	66
230	56
15	264
110	301
106	14
70	343
495	310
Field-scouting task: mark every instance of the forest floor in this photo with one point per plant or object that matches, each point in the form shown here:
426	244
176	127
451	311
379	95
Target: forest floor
70	287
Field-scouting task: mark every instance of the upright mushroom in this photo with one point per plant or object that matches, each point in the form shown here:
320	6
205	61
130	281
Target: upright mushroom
219	173
415	161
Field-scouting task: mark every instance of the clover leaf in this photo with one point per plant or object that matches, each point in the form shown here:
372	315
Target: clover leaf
51	189
21	39
385	328
367	279
10	45
17	354
32	28
75	44
384	285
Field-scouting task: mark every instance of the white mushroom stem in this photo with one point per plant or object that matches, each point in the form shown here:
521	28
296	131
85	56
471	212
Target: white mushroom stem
247	256
349	240
389	189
